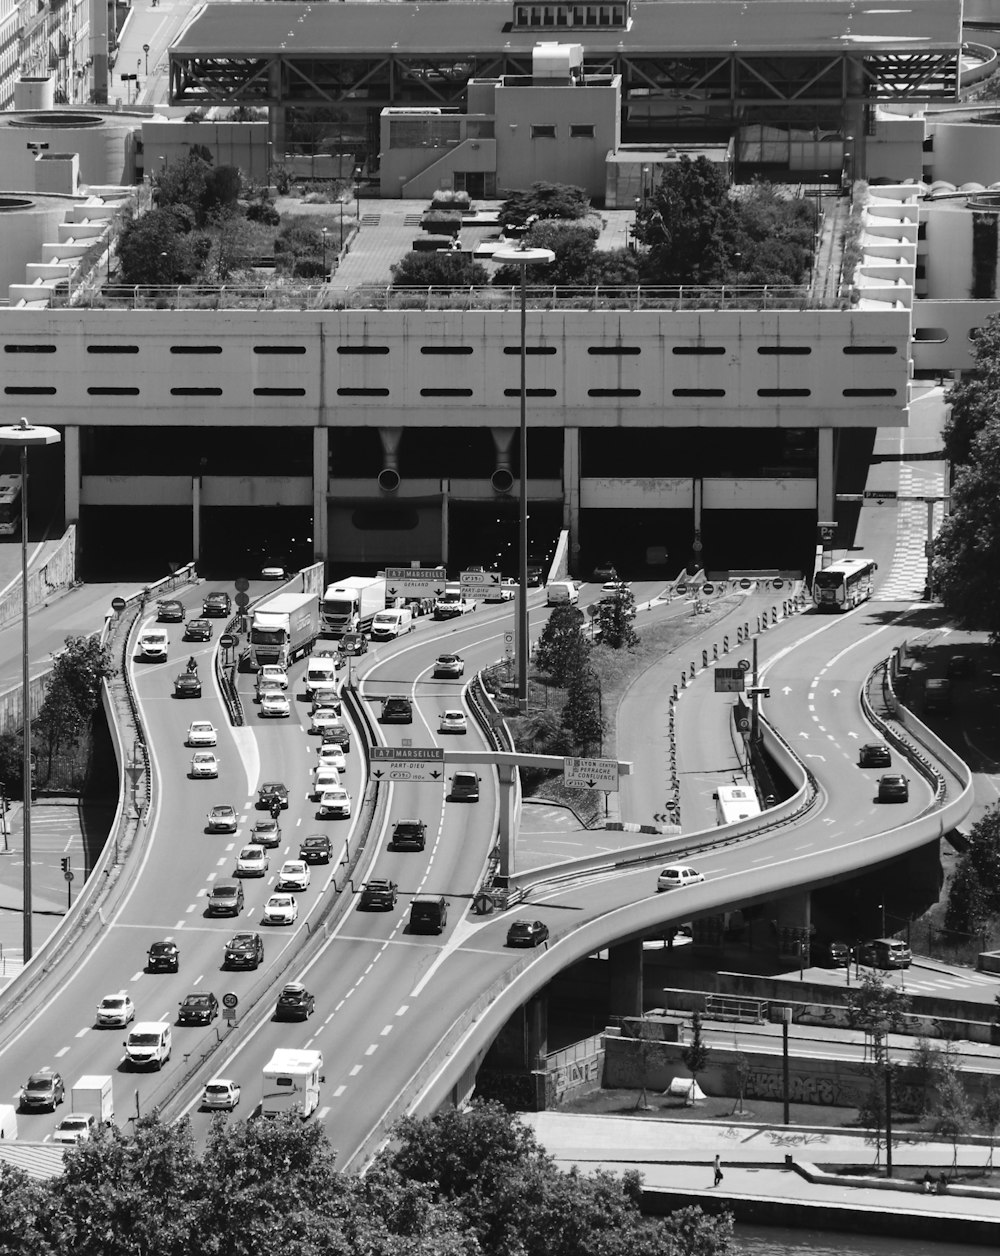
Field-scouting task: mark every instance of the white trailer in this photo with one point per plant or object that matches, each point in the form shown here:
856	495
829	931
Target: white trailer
291	1081
351	604
94	1093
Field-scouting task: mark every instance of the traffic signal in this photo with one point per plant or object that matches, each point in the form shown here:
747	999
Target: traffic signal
65	863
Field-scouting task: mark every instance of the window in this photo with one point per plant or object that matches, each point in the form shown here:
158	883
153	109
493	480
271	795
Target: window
112	348
869	392
614	351
29	348
431	350
196	348
196	392
581	131
529	350
699	392
685	351
29	392
113	392
276	349
539	132
530	392
362	392
360	349
784	392
889	350
772	351
279	392
446	392
614	392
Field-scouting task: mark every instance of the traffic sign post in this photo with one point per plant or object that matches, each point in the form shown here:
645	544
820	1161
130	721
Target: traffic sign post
880	496
730	679
414	764
415	581
229	1004
591	774
478	583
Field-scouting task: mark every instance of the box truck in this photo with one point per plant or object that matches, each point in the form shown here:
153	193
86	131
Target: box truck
283	629
351	604
8	1120
94	1093
291	1081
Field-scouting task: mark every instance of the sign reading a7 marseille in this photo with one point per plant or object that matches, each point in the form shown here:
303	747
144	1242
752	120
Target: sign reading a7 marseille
417	764
591	774
415	581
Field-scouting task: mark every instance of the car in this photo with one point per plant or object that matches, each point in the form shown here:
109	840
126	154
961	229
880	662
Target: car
294	875
527	933
294	1003
316	848
453	722
115	1009
324	719
266	833
220	1095
893	787
187	685
202	733
885	953
354	643
225	898
960	665
337	734
75	1128
330	755
612	589
264	688
163	957
273	569
835	954
397	710
43	1090
326	700
204	764
200	1008
217	604
170	612
378	894
464	787
449	665
275	705
408	835
222	819
335	802
198	630
874	754
674	876
604	571
272	792
252	861
281	909
325	776
243	950
505	591
272	674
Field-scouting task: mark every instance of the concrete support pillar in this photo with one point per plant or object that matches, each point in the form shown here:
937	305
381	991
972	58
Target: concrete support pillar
625	979
71	472
320	485
571	495
196	518
697	492
507	825
445	489
792	918
523	1039
826	477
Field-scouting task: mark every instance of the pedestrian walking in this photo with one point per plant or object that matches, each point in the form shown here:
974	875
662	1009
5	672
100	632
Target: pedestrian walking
718	1171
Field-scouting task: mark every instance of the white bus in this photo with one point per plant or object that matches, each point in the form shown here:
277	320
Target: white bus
841	586
10	505
734	803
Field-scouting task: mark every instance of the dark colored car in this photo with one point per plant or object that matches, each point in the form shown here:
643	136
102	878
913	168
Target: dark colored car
960	665
42	1090
198	630
169	612
294	1003
244	950
266	833
217	604
409	835
163	957
536	576
225	899
397	711
337	734
874	755
527	933
316	848
893	787
464	787
353	643
835	954
198	1009
379	895
187	685
604	571
272	792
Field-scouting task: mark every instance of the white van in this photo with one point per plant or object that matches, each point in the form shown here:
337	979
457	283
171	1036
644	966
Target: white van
387	625
561	593
148	1045
321	675
8	1120
154	643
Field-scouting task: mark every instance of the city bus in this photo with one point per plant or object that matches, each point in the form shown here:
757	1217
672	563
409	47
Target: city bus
10	505
841	586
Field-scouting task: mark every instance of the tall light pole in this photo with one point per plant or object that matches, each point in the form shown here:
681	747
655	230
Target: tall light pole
323	234
523	257
24	434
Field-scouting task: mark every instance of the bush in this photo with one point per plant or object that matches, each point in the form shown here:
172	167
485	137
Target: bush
444	199
544	200
454	270
442	222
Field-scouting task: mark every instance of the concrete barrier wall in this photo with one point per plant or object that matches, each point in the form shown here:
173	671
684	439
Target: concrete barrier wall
57	571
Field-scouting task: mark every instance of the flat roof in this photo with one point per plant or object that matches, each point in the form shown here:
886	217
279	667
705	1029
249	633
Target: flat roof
676	27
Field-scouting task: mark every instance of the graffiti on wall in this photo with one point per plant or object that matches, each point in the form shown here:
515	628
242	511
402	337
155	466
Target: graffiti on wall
576	1074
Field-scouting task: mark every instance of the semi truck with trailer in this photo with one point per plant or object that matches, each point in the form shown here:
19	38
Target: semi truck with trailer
283	629
291	1081
351	604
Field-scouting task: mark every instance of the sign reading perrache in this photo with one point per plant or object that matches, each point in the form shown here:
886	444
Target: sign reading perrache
591	774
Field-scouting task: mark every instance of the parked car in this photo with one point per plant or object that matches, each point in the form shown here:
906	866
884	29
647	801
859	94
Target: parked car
252	861
222	819
527	933
115	1009
163	957
204	765
874	754
893	787
294	875
316	848
272	792
202	733
243	950
200	1008
380	894
294	1003
170	612
281	909
220	1095
42	1090
453	722
448	665
674	876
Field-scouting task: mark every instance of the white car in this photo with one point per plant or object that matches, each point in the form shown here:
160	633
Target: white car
202	733
272	673
325	776
115	1009
323	717
281	909
675	875
252	861
294	875
274	703
614	588
220	1094
502	592
74	1128
331	756
204	764
335	802
453	722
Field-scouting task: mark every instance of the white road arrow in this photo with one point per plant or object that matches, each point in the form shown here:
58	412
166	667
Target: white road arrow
835	692
805	735
853	734
787	690
816	756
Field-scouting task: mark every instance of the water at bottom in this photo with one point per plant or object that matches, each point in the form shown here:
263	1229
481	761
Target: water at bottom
768	1241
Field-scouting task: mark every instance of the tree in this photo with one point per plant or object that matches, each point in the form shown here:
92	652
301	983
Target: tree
953	1112
974	399
615	618
984	856
878	1008
438	270
926	1065
544	200
581	715
988	1114
966	911
155	250
72	695
688	225
695	1055
183	183
562	648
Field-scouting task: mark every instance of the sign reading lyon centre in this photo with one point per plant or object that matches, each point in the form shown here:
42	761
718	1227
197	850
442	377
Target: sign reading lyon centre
415	581
729	679
407	763
591	774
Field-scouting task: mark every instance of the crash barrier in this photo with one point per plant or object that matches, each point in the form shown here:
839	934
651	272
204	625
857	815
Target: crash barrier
58	571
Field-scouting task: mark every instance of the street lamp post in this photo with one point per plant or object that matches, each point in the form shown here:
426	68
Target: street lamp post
323	234
145	49
523	256
24	434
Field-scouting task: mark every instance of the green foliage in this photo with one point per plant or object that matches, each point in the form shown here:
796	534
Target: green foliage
442	221
974	892
562	648
544	200
72	697
987	1113
183	183
927	1069
155	250
775	238
953	1111
965	910
984	854
615	618
445	198
876	1007
449	270
695	1054
974	399
577	263
581	717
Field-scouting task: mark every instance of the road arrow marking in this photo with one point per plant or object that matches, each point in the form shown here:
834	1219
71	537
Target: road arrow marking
805	735
835	692
852	734
787	690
